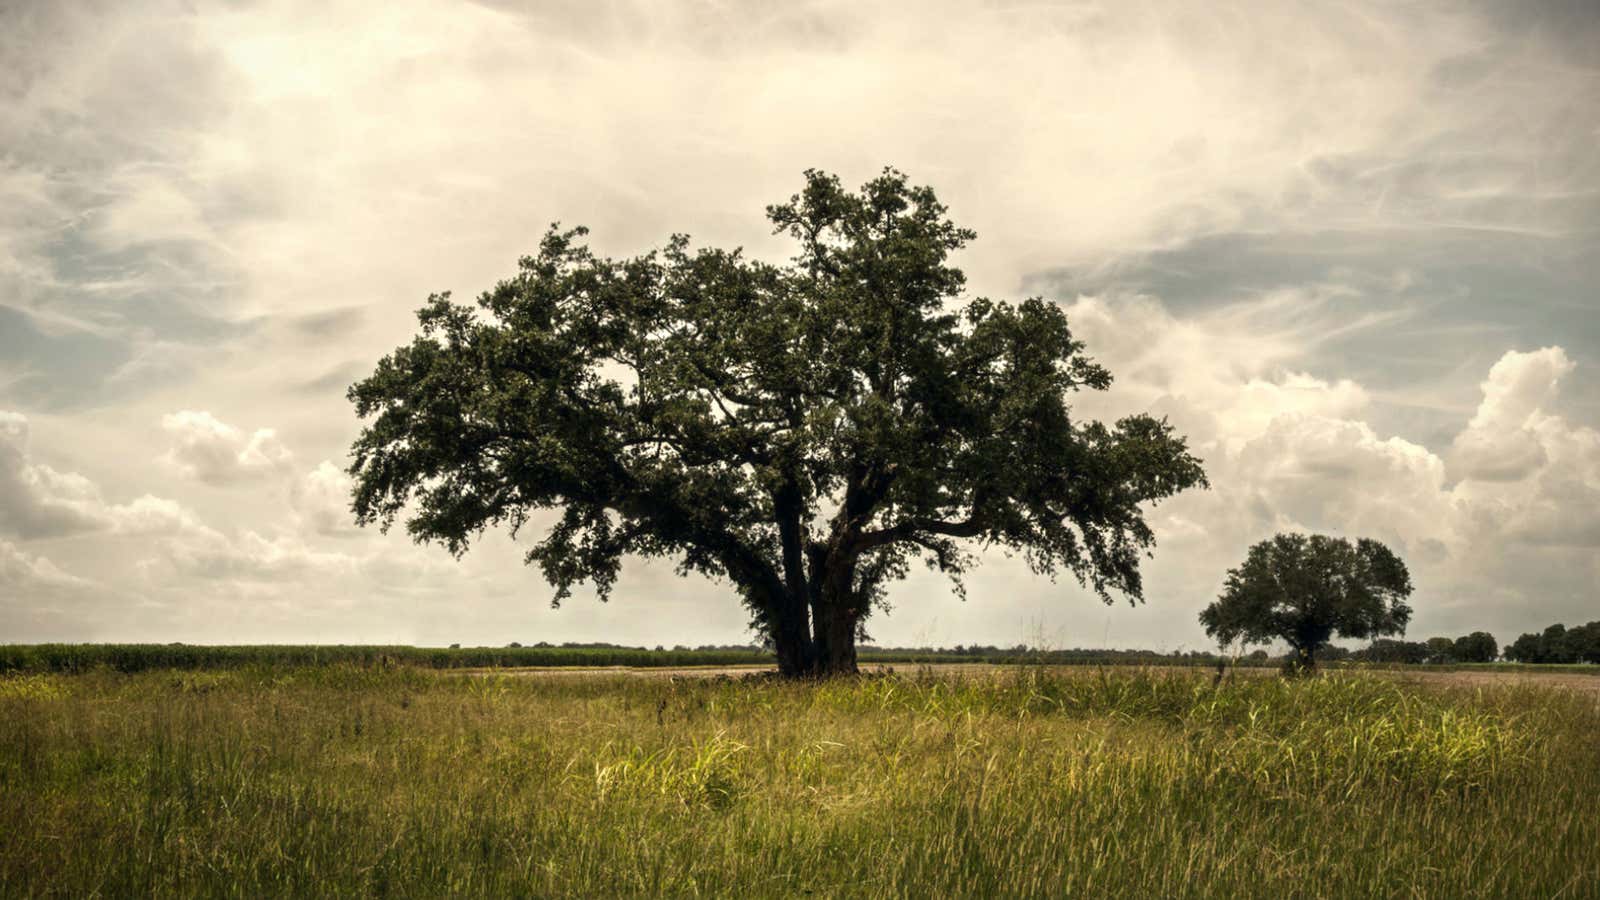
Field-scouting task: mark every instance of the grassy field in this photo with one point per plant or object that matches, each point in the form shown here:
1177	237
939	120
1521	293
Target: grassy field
399	780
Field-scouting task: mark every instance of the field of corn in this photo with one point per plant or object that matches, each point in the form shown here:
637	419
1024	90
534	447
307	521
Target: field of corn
401	780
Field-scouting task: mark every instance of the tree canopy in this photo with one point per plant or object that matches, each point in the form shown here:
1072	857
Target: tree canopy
806	431
1558	644
1477	647
1305	589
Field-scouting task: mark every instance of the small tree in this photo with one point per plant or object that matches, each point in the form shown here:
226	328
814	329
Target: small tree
806	431
1557	645
1440	650
1586	642
1305	589
1524	649
1479	647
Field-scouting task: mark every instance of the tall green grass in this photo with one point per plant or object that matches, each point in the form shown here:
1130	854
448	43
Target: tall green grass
343	779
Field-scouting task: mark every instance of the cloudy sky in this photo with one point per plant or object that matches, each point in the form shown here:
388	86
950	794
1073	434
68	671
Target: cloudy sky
1354	253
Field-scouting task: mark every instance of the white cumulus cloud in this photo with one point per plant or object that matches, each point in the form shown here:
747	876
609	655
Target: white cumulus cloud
1503	441
212	451
1504	516
25	573
36	500
321	500
250	557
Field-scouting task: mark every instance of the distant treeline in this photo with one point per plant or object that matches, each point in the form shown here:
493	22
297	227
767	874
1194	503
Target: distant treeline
1477	647
1556	644
139	657
1021	653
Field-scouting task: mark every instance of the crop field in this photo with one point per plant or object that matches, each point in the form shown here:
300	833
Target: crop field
352	779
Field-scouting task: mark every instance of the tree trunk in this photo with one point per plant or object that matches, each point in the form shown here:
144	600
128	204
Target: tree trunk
791	622
813	628
833	617
1302	662
791	637
794	654
835	641
828	649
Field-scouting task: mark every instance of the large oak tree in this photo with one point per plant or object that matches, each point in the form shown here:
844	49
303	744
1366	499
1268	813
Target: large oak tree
805	431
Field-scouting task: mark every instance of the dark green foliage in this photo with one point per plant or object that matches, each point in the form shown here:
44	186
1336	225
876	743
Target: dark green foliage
1305	589
1385	650
806	431
1558	644
1477	647
1585	642
1524	649
1440	649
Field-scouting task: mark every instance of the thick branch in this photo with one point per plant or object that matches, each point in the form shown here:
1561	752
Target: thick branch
909	529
